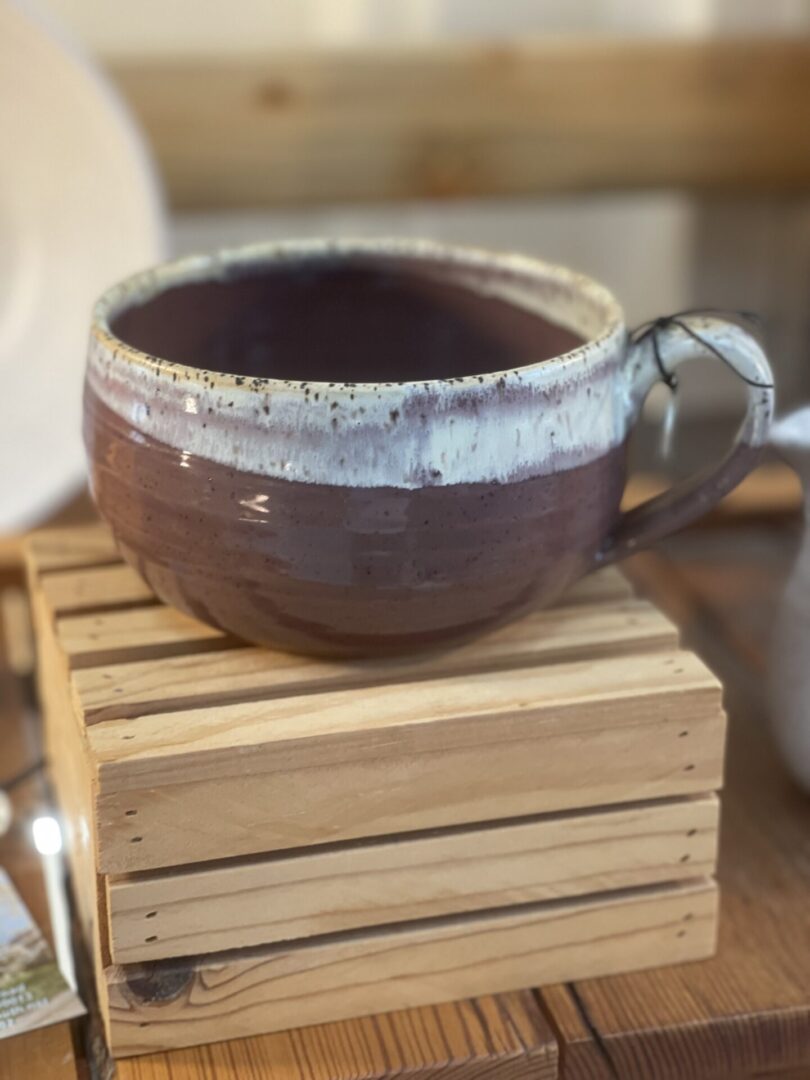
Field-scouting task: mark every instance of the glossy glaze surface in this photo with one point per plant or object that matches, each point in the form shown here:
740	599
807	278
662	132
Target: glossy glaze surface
337	569
364	446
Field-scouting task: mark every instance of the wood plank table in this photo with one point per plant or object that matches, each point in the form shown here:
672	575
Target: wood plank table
746	1013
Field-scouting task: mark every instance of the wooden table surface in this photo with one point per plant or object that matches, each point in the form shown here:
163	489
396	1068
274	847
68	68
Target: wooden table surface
746	1013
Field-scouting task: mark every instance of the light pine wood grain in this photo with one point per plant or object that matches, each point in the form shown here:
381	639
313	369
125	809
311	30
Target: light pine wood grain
70	771
177	1004
95	588
180	787
16	630
261	901
584	1057
520	117
68	767
153	632
72	547
504	1036
359	724
239	675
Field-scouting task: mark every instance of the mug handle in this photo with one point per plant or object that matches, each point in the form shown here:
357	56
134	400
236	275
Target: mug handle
655	356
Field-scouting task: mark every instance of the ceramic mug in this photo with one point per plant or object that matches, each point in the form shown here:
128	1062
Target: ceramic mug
359	447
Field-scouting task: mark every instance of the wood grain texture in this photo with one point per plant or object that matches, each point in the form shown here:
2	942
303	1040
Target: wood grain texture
134	689
68	767
234	780
481	1039
310	892
581	1055
152	632
474	120
746	1012
16	630
70	772
95	588
72	547
289	985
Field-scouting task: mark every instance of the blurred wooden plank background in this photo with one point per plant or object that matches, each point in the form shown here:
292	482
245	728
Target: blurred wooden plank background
528	117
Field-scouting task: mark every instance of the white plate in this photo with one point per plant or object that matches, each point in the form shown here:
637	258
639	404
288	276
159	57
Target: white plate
79	208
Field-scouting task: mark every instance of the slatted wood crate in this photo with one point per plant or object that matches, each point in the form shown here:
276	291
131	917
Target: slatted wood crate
262	841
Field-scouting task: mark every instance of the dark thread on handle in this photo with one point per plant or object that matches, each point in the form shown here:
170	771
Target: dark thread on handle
655	327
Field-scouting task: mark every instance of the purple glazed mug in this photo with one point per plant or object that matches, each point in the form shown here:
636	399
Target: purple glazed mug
352	448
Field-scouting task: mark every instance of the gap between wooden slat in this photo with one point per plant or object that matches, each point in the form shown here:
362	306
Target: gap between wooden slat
79	567
183	635
109	588
227	956
404	879
361	843
198	647
427	717
314	678
109	607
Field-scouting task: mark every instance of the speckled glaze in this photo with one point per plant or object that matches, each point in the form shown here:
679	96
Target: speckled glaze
358	517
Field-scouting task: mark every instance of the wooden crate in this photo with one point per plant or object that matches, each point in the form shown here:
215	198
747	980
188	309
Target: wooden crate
262	841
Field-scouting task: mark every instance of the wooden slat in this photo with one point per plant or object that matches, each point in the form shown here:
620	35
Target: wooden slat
184	682
67	765
141	633
355	725
472	120
16	630
260	777
99	588
72	547
339	976
70	772
320	891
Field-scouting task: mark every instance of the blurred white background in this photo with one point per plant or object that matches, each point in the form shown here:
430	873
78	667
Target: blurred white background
203	27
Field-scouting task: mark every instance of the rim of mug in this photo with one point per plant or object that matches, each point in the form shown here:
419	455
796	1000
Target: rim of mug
146	285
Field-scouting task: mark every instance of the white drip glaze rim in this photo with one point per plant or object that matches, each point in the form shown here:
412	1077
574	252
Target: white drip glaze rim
528	271
528	421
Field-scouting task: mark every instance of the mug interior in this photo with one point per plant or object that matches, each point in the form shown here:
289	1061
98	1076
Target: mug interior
358	317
